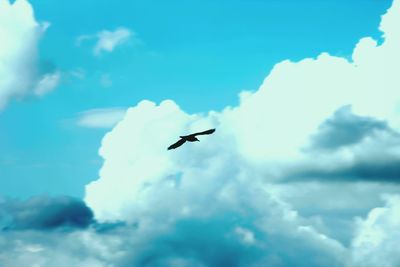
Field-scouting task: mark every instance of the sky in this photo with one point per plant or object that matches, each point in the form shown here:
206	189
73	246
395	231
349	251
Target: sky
301	171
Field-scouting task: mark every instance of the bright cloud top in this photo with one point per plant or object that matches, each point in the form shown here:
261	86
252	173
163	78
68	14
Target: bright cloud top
323	119
107	41
19	72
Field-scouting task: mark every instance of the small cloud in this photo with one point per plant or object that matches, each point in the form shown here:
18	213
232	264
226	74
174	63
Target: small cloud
105	81
107	40
245	235
45	25
82	38
47	83
78	73
101	118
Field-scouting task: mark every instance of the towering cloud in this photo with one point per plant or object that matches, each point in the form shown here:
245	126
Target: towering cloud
224	201
19	71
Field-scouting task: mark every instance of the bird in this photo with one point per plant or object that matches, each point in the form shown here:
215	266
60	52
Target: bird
189	138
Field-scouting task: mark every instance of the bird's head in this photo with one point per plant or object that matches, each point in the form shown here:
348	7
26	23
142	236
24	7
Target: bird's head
196	139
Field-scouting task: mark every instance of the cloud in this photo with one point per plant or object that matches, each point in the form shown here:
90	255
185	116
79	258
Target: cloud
20	34
181	199
101	118
350	147
225	201
205	202
326	203
81	248
78	73
282	109
107	40
105	81
344	129
47	83
376	242
189	241
45	213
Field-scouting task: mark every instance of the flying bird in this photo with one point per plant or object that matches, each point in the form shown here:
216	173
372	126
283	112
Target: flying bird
189	138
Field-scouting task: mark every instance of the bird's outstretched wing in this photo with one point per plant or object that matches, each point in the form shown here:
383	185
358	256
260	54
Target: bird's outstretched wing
205	132
177	144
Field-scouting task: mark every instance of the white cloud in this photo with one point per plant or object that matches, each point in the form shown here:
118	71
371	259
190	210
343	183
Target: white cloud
152	185
19	35
232	173
217	202
80	248
78	73
105	80
82	38
378	235
107	40
245	235
101	118
273	124
47	83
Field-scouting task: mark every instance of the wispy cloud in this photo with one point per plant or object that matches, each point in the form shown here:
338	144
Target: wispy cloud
106	40
105	80
100	118
47	83
78	73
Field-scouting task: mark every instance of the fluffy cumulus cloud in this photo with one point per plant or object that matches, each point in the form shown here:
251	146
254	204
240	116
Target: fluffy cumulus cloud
20	74
106	40
303	172
327	123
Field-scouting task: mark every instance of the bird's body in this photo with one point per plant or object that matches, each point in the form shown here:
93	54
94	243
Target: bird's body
189	138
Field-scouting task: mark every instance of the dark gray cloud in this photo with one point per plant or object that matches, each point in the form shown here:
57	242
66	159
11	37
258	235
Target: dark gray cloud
227	237
345	128
348	148
194	242
386	170
45	213
221	243
200	242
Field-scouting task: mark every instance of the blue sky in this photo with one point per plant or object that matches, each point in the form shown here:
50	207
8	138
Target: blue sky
302	170
201	55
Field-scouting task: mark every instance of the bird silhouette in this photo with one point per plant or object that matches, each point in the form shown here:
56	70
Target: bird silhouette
189	138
